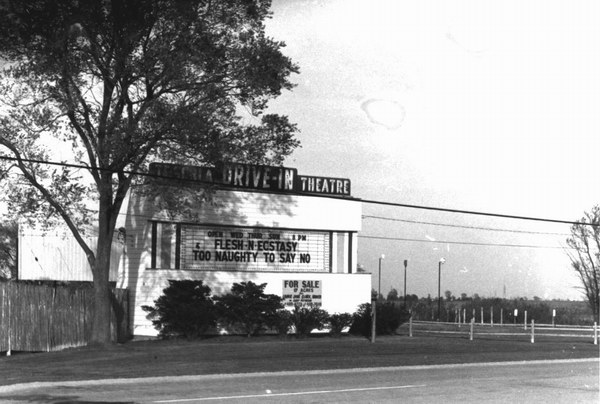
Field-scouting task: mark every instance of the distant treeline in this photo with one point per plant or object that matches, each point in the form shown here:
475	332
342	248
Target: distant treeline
496	310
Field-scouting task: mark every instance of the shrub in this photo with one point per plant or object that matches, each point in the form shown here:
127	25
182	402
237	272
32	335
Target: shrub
184	309
389	317
248	307
339	321
361	320
306	319
283	321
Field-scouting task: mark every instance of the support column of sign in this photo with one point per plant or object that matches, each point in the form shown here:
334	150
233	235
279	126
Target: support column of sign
333	252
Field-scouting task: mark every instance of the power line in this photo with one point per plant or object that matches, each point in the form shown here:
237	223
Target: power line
462	226
384	203
461	242
85	167
473	212
56	163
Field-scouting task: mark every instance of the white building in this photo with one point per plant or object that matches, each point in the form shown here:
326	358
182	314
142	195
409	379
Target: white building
297	234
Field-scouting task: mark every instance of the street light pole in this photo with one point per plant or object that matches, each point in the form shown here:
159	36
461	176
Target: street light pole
442	260
405	265
374	304
379	284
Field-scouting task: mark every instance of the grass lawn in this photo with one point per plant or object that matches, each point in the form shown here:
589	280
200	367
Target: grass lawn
233	354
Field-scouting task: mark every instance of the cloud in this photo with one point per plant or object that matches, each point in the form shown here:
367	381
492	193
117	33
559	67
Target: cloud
384	112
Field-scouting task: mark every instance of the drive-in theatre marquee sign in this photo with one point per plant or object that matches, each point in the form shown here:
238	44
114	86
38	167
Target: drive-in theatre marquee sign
216	247
254	177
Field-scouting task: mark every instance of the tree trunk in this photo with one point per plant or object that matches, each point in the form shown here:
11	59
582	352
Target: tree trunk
101	333
101	265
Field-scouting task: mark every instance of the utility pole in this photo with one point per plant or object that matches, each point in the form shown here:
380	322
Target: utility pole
442	260
405	265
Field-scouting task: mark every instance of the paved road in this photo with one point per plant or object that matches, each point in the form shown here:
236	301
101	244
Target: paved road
568	381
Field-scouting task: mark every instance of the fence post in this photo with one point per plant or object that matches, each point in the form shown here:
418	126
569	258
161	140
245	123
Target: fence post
482	316
471	332
9	351
464	316
595	333
532	331
501	316
492	316
410	326
525	321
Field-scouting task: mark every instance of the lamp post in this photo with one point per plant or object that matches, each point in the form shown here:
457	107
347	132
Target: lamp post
405	265
374	304
442	260
379	284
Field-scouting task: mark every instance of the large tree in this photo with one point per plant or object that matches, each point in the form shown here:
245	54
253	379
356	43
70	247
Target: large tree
8	250
114	85
585	256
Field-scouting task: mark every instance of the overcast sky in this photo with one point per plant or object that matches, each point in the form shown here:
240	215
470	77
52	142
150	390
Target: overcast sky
477	105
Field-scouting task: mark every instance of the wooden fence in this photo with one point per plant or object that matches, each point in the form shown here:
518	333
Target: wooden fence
37	318
529	331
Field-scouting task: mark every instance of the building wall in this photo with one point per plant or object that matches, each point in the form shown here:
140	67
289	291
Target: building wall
158	245
341	292
156	238
55	255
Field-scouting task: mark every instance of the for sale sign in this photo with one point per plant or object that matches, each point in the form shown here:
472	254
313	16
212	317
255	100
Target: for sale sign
304	293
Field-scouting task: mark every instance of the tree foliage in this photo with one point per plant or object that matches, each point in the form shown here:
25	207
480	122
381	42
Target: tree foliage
8	250
388	317
448	296
392	294
117	84
283	322
249	307
185	308
337	322
307	319
585	256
